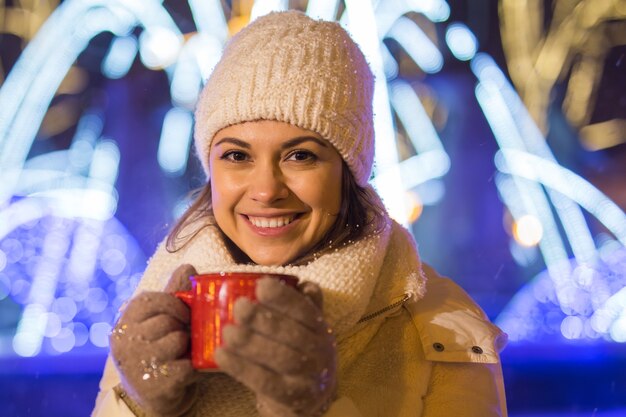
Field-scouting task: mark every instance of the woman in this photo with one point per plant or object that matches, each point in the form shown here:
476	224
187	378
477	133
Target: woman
284	130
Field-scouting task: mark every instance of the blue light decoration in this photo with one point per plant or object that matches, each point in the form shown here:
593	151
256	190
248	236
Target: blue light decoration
67	259
59	239
578	298
461	41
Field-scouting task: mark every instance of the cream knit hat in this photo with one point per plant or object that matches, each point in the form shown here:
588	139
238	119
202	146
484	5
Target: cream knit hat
290	68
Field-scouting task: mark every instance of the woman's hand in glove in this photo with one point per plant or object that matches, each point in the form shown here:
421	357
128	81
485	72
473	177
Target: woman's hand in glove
282	349
149	346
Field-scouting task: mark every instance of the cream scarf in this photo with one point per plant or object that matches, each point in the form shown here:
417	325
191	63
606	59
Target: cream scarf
357	280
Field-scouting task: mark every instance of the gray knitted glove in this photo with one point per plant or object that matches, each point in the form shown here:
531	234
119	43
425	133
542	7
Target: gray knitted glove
149	346
282	349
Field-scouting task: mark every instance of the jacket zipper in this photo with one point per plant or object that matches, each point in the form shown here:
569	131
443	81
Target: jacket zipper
384	310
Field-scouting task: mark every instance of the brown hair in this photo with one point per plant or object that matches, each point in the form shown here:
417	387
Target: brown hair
361	212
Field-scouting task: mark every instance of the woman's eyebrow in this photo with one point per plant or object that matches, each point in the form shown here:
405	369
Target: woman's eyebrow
285	145
300	139
234	141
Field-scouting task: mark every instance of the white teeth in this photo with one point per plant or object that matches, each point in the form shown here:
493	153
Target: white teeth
270	222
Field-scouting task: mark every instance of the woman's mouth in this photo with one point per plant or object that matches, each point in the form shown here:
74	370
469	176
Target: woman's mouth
271	222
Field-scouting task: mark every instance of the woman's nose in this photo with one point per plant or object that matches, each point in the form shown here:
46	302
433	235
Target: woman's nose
267	184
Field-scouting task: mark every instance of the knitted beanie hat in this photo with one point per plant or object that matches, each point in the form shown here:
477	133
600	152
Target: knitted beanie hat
290	68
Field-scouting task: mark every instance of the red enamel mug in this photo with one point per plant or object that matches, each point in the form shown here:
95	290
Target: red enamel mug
211	300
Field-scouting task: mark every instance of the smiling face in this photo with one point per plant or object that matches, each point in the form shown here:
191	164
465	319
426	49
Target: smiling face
275	189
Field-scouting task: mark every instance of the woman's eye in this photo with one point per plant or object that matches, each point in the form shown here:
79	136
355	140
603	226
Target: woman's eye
235	156
301	156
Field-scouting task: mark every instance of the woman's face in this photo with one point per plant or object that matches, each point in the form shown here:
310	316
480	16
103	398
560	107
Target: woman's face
275	188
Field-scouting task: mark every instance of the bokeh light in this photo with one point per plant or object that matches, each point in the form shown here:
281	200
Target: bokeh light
572	327
64	341
527	230
99	334
461	41
159	47
414	206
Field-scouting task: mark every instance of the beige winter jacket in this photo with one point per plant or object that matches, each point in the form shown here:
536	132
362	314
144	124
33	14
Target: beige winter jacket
423	348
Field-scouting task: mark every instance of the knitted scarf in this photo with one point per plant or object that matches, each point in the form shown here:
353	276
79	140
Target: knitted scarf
358	280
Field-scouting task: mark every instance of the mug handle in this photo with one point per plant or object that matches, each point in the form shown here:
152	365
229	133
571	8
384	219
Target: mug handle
184	296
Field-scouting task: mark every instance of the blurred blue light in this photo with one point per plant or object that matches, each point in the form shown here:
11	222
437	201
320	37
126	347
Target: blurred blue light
414	118
610	312
567	183
65	308
208	16
601	320
206	50
81	333
608	247
618	330
523	255
159	46
80	154
583	276
99	334
361	20
53	164
175	141
89	128
389	62
361	23
29	335
106	316
180	207
518	132
416	170
572	327
32	325
431	160
415	42
116	241
186	81
586	296
100	19
12	251
5	286
56	244
435	10
120	57
53	324
531	200
505	127
263	7
589	333
485	68
20	289
60	295
74	203
461	41
105	162
82	260
81	150
601	294
543	291
96	300
30	86
64	341
37	77
322	9
113	262
431	192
